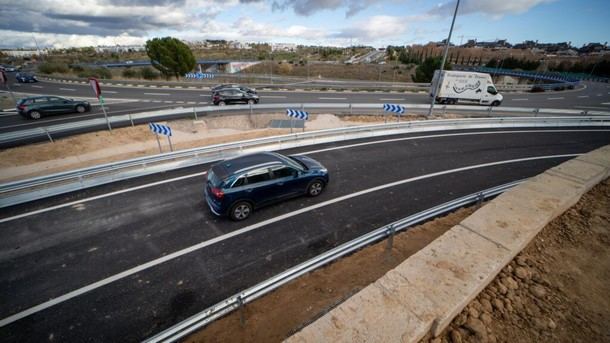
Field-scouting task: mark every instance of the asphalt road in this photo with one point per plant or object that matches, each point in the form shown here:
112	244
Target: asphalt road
54	252
122	100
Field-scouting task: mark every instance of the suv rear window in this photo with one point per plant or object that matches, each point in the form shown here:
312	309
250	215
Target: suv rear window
213	179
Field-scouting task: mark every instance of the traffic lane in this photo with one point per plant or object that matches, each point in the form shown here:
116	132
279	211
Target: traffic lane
182	172
133	228
144	304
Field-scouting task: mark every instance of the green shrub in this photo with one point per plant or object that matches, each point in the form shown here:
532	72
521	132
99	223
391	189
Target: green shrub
53	67
149	74
130	73
77	68
100	73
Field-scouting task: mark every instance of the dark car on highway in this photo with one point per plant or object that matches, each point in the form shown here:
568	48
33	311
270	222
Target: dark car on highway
25	78
238	186
233	96
233	86
38	106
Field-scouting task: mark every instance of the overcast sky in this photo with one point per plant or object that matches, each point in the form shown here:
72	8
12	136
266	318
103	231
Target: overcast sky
64	23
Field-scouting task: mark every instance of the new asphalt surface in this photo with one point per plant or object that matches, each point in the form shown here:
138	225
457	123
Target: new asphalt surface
49	253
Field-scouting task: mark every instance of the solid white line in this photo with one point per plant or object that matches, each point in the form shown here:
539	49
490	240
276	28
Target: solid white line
558	98
246	229
157	94
391	99
204	95
321	98
67	89
275	96
42	210
34	86
605	103
520	99
110	92
583	96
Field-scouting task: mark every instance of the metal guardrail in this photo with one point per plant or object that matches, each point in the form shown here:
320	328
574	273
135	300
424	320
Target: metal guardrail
238	300
22	191
49	132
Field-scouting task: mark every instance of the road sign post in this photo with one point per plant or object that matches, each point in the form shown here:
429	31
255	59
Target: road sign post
4	80
98	93
297	114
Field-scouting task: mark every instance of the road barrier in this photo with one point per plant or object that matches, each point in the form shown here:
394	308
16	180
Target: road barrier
238	300
22	191
14	138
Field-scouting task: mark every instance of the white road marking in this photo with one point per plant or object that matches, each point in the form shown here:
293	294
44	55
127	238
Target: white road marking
583	96
109	92
523	99
164	94
157	101
252	227
67	89
592	107
204	95
275	96
599	95
34	86
168	102
391	99
557	98
605	103
322	98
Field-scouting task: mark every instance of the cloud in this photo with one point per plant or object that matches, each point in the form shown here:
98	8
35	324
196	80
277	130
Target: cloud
495	8
375	28
309	7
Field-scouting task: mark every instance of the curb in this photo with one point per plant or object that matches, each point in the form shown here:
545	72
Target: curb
425	292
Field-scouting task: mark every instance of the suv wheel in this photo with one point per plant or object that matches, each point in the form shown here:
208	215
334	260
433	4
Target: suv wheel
80	109
315	188
221	103
241	210
495	103
35	115
250	101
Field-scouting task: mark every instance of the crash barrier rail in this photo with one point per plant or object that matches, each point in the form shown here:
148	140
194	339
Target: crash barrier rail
48	132
238	300
22	191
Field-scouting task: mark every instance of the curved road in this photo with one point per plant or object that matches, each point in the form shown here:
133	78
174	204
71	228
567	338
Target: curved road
122	99
118	263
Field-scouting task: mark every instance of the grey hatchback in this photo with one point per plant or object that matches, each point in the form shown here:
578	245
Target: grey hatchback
237	186
37	106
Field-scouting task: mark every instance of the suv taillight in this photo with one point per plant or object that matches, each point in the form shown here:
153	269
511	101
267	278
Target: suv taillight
22	107
217	192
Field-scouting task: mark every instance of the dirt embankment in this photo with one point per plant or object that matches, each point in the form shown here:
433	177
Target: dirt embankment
556	290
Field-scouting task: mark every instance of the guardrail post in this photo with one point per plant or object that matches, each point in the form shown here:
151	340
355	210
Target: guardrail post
444	109
195	113
536	110
48	134
480	199
130	119
390	244
489	110
242	314
350	109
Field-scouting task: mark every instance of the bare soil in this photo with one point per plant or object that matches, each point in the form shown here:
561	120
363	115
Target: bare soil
556	290
276	316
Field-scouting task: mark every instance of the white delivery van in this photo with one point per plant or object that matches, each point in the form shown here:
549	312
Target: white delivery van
465	86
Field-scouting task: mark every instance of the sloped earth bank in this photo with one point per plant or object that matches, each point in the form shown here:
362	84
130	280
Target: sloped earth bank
556	290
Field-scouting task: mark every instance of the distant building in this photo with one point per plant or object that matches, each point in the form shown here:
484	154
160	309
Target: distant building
593	48
497	44
24	53
283	47
119	48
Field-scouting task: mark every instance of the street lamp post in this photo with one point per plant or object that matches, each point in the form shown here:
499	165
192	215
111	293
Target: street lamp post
435	87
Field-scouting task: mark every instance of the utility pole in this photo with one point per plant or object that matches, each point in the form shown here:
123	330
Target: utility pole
435	87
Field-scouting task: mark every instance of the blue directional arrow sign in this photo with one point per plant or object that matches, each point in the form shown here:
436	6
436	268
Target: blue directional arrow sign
394	108
297	114
162	129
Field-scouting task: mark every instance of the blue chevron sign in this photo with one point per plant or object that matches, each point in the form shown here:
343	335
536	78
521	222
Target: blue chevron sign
162	129
394	108
297	114
199	75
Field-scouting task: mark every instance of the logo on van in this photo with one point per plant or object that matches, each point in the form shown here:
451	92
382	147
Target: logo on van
466	87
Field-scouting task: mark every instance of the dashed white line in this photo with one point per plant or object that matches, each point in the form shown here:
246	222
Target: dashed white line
519	99
583	96
68	89
276	96
391	99
605	103
332	98
157	101
34	86
168	102
110	92
557	98
163	94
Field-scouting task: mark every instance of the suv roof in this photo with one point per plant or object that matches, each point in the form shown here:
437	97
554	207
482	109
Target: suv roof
243	163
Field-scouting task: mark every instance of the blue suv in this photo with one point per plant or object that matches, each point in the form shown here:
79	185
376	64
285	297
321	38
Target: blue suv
238	186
